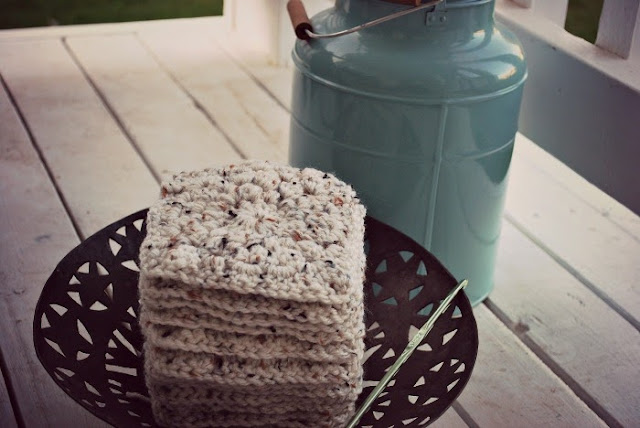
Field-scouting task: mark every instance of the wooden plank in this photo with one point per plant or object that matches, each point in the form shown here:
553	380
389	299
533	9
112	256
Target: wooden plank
157	114
510	387
579	103
84	147
7	417
596	249
551	170
35	233
618	27
254	122
577	332
275	79
450	419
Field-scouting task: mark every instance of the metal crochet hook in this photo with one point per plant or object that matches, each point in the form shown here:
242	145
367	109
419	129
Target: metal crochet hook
304	30
413	344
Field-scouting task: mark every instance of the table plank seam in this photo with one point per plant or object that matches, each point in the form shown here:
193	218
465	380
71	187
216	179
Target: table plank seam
46	166
575	273
464	415
520	331
107	105
197	104
4	369
603	213
253	77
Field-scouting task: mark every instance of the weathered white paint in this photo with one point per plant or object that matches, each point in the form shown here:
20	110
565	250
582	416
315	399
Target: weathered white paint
555	173
570	324
265	25
235	102
128	76
35	233
619	28
555	10
7	418
596	248
276	79
257	23
76	133
511	387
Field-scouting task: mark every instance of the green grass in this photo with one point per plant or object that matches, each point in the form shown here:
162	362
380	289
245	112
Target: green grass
35	13
582	18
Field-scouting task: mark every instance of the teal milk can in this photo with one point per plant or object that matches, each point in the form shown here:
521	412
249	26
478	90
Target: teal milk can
419	114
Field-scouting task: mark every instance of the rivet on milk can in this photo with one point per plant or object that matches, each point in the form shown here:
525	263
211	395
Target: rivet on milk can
416	105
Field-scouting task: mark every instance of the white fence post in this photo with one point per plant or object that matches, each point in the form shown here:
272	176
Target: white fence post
619	28
264	25
555	10
256	23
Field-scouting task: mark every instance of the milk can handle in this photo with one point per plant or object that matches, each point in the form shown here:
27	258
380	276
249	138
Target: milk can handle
304	30
299	19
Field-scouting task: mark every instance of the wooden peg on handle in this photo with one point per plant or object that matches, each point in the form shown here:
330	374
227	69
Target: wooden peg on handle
299	19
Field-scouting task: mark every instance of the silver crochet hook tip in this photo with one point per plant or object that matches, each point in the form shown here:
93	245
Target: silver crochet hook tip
411	346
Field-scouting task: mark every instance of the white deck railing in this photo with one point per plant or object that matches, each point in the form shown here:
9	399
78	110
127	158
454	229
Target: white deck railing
581	102
618	31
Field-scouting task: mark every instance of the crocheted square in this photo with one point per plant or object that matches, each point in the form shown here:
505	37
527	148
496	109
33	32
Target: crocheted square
264	346
196	417
259	229
197	315
195	391
227	370
164	293
265	399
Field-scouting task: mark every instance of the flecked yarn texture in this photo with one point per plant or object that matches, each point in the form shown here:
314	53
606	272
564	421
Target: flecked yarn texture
251	299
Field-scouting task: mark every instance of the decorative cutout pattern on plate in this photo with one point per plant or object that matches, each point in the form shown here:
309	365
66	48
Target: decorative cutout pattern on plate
87	337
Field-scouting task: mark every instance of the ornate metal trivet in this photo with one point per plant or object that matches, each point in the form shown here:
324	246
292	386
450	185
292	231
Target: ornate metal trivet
87	337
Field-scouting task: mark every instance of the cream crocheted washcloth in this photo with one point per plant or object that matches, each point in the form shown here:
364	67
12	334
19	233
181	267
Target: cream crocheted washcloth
173	416
259	229
251	292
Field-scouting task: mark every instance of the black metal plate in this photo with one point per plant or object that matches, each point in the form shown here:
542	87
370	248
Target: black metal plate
87	337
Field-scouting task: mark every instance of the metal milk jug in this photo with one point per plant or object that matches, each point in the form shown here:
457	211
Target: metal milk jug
419	114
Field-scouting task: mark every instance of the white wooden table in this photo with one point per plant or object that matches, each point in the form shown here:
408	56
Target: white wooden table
91	117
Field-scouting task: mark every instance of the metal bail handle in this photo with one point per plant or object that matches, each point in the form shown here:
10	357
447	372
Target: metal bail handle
304	30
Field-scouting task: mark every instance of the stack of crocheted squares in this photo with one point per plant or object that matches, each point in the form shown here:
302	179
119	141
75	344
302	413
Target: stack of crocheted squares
251	298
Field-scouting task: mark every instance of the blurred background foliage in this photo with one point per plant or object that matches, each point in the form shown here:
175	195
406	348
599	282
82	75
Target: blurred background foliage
36	13
582	15
582	18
